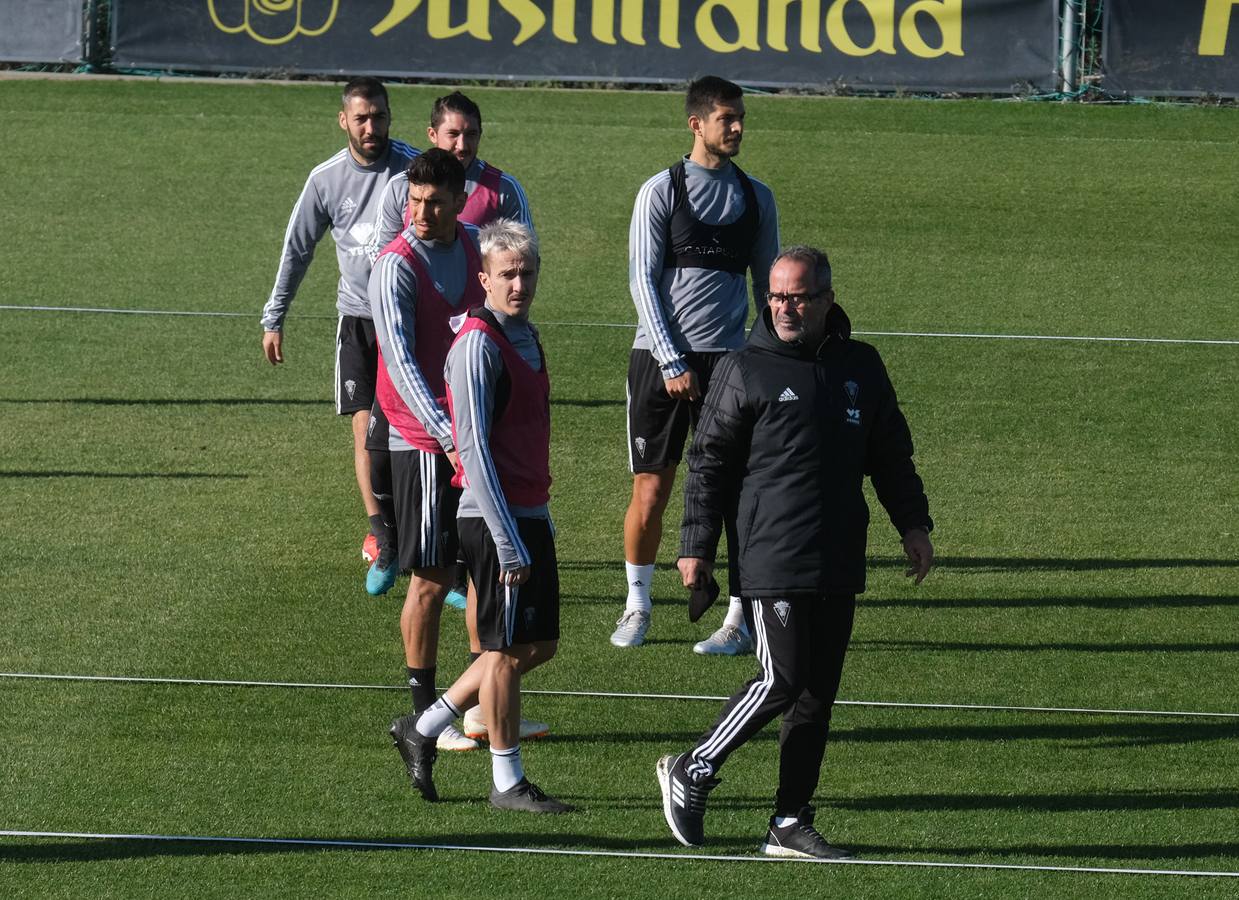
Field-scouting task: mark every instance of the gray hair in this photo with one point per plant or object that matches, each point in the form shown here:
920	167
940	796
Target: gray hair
812	257
507	236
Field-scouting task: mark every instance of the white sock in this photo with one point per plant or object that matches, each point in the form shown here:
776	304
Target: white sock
735	615
784	821
639	578
440	715
506	769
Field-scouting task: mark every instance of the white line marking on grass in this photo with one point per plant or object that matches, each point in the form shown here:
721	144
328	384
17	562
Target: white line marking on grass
1045	337
150	312
616	695
612	854
632	325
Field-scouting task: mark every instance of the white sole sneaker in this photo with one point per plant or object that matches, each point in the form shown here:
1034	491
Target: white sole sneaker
727	641
630	629
475	727
451	739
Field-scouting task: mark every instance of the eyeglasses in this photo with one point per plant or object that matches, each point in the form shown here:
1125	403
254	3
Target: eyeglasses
799	301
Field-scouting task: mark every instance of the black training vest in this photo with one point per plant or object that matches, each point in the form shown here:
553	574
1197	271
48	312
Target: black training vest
693	244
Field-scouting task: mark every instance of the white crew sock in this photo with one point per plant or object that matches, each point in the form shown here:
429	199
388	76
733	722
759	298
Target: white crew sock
784	821
639	578
735	615
438	716
506	769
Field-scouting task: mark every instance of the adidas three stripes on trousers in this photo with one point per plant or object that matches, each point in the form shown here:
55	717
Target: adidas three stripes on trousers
800	645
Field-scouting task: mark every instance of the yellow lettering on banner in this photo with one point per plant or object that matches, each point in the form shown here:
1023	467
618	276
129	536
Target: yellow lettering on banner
400	10
602	21
563	20
746	16
1215	25
477	20
881	13
948	14
776	24
669	23
527	15
743	16
631	14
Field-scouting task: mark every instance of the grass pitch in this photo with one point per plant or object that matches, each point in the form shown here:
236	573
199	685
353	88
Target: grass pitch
173	507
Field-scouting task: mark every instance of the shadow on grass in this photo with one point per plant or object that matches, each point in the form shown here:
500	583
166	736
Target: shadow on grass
61	850
1038	647
1029	853
1058	564
167	401
995	563
1110	801
70	473
586	404
1163	601
1088	735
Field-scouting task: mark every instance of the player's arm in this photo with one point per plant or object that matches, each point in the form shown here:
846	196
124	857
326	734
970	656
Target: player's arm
647	250
307	224
474	368
393	303
766	247
716	460
389	221
513	204
888	462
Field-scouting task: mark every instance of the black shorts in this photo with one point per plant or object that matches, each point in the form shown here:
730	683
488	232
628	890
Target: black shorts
508	616
425	509
658	425
377	429
357	363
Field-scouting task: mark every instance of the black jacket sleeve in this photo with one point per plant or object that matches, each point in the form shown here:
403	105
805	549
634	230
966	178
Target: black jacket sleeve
716	460
888	461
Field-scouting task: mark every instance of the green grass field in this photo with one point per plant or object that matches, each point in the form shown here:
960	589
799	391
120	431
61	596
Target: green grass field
172	507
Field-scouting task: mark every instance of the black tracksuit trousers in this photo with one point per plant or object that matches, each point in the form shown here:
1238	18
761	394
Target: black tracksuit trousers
800	645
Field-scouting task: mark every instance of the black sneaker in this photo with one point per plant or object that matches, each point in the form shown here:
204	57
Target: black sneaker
526	796
684	800
419	754
800	839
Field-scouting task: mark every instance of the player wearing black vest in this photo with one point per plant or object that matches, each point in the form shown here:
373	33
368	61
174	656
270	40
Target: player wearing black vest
696	229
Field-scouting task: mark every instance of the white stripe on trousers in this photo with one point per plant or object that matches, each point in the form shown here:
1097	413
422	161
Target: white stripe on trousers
510	595
701	761
336	387
428	549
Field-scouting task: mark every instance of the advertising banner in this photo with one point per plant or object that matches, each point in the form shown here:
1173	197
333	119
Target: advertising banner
977	46
1181	49
47	31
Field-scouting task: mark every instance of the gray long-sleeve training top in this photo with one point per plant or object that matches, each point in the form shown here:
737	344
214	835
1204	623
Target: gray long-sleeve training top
703	310
343	195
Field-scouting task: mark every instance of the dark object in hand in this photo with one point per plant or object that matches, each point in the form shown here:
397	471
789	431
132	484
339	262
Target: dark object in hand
702	598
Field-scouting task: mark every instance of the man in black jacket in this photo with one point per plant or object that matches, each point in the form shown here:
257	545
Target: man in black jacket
791	426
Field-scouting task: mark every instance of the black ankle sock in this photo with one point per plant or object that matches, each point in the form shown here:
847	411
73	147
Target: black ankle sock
422	687
379	529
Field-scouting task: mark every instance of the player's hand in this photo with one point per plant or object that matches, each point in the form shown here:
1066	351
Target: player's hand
513	577
454	458
683	387
272	346
694	572
920	552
